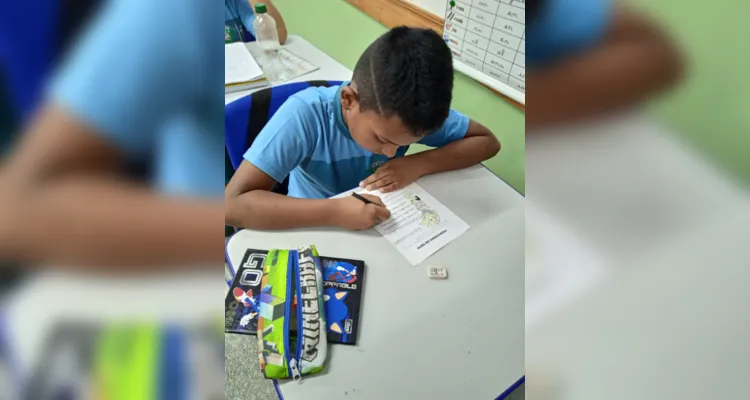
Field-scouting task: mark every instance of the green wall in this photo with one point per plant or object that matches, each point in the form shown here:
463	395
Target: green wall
712	107
356	30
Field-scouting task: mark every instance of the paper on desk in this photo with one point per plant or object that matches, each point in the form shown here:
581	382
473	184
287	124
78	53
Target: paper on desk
294	65
239	64
419	224
289	66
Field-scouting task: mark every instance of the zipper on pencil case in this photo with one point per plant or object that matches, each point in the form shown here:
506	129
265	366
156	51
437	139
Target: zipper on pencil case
291	362
298	285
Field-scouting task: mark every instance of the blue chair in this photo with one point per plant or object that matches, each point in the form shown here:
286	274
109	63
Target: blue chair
33	38
244	118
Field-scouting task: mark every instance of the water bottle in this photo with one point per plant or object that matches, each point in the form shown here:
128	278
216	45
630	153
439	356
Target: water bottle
267	38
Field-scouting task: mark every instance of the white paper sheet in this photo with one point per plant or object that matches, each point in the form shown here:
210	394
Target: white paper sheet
419	224
294	66
288	67
239	64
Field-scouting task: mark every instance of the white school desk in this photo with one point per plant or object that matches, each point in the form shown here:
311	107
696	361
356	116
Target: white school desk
613	190
35	306
674	325
420	338
328	68
659	309
607	193
614	180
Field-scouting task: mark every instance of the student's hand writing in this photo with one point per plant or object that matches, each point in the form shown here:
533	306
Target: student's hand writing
393	175
352	213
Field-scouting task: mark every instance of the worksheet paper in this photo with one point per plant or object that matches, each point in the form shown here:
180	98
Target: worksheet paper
419	224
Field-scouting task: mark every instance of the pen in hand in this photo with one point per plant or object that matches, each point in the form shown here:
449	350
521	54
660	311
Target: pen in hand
366	201
363	216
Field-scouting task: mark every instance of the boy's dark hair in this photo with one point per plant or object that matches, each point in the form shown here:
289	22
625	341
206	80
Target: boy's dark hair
407	72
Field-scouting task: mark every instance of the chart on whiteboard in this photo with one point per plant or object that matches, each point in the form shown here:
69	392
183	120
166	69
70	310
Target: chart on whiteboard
489	36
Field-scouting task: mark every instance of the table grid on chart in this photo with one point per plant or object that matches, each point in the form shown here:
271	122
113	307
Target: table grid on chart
489	36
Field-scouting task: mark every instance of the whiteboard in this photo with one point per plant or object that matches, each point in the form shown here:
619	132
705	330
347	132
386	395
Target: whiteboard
488	42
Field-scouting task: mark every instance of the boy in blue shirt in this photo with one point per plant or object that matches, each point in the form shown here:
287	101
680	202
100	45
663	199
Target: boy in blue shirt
329	140
586	57
239	16
144	85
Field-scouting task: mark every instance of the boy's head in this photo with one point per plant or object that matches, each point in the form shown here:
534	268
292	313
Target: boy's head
400	91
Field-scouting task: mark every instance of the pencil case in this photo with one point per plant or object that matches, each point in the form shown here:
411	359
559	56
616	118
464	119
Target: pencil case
291	322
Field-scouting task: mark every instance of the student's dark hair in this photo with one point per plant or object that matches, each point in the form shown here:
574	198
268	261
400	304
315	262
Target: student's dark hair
407	72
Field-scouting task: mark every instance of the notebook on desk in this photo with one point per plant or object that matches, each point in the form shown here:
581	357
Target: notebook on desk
241	71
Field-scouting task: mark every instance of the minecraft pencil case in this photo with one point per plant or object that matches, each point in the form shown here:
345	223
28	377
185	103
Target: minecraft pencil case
292	296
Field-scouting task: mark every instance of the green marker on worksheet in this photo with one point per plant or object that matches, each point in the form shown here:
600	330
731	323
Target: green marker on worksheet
452	3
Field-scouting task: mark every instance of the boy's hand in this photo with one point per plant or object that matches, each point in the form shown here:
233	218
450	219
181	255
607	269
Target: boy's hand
395	174
352	213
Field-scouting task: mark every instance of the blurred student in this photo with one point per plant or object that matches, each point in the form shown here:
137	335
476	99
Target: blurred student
239	16
143	87
329	140
587	57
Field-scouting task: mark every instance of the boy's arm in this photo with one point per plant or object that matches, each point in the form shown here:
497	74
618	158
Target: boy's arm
477	145
635	60
61	204
60	198
251	204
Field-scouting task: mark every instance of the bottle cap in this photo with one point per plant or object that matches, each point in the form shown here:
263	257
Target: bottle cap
260	8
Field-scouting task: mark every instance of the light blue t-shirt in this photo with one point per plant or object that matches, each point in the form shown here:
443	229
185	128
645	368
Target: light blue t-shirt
565	27
148	76
308	140
238	21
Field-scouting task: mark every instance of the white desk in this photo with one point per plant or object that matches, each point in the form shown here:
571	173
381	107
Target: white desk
662	235
607	193
329	69
672	326
35	306
624	183
458	338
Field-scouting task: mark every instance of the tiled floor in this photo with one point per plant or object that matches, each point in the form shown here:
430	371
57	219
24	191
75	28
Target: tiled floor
244	381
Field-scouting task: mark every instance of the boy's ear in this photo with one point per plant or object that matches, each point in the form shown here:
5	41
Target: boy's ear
349	97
